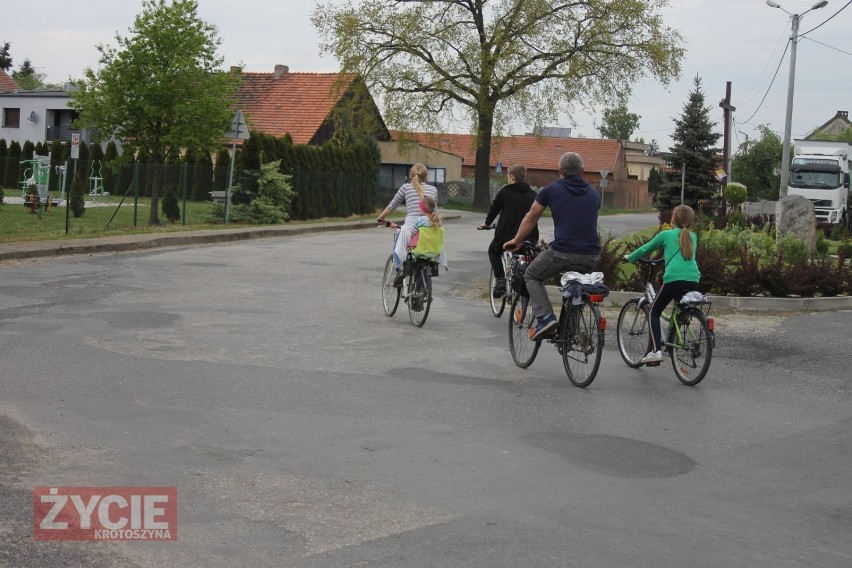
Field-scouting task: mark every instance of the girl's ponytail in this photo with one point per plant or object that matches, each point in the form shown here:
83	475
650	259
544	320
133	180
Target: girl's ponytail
684	217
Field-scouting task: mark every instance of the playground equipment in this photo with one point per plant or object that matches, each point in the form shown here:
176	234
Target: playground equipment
38	175
96	185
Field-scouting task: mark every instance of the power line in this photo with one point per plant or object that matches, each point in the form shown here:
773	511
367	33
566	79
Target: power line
828	46
771	82
827	20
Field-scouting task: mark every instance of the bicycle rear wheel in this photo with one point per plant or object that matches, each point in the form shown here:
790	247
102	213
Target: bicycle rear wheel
420	295
497	304
521	322
691	358
390	294
582	343
631	332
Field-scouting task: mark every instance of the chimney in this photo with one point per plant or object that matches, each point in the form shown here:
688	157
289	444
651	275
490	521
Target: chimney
281	70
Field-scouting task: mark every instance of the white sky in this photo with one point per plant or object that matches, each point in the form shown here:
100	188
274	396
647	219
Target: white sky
726	40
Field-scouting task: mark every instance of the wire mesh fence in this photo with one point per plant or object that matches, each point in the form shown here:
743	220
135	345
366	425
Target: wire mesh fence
42	198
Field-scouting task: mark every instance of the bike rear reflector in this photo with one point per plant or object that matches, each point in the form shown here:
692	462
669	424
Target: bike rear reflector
602	325
596	298
711	324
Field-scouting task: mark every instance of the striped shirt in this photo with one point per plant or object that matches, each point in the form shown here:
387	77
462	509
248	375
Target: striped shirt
408	195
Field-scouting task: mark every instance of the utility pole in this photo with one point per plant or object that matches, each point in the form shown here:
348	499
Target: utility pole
726	153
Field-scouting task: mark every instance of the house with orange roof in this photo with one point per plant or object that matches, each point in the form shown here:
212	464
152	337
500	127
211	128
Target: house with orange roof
303	104
307	106
7	84
603	159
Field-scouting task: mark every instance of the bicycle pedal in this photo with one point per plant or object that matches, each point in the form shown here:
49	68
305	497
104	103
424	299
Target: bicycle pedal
657	364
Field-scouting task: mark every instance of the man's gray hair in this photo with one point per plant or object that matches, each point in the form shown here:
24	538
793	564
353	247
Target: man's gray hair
571	164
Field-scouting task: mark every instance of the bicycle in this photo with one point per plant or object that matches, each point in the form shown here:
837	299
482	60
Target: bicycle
416	290
579	336
510	261
689	330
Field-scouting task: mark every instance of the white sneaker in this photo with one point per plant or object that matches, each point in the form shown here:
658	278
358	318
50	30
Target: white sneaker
652	357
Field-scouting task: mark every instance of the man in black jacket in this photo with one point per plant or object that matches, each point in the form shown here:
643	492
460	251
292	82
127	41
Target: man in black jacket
512	202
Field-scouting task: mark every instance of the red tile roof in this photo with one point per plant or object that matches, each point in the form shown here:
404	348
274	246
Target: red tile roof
7	84
533	152
298	103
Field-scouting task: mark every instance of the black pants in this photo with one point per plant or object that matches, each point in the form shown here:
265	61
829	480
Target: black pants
495	255
670	291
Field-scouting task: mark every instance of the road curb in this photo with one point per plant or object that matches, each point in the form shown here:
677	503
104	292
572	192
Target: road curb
126	243
738	303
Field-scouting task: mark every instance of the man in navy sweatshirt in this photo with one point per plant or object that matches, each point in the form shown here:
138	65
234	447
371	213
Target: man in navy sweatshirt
511	203
574	206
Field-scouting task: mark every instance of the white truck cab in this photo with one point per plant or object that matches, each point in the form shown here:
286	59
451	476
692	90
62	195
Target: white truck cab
820	172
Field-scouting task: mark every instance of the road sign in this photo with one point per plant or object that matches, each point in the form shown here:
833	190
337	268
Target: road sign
499	167
75	145
239	128
604	181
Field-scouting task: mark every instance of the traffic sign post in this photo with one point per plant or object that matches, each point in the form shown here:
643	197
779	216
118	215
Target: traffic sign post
604	182
75	145
238	131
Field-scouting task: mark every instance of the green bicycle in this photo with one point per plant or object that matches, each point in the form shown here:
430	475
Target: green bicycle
688	330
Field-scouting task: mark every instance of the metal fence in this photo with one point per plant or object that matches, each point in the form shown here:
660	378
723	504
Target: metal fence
35	197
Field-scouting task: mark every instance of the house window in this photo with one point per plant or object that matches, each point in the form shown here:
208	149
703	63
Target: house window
11	118
436	175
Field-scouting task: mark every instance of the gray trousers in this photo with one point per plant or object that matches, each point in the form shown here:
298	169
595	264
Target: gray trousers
548	264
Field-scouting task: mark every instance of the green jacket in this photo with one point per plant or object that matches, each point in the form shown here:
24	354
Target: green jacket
677	267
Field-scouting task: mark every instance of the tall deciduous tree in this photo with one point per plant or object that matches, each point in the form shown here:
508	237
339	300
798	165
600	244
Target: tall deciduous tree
496	61
756	166
618	123
161	88
694	146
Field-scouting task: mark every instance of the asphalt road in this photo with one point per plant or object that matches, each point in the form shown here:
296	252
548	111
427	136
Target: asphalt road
304	428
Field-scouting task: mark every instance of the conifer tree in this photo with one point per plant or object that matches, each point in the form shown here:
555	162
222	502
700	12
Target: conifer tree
221	170
78	196
10	175
27	150
694	146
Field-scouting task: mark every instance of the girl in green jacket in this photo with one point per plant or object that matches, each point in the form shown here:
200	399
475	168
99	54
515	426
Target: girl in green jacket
681	271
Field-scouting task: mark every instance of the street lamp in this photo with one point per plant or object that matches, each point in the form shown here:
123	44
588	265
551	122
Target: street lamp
794	39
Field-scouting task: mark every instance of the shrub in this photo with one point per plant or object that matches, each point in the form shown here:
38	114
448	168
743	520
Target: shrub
610	260
844	250
713	265
792	250
741	279
821	245
78	199
171	208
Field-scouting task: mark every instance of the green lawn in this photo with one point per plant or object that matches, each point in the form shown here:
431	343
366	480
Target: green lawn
17	223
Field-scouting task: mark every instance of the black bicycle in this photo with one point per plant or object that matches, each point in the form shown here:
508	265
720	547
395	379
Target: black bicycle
688	330
511	262
579	337
416	289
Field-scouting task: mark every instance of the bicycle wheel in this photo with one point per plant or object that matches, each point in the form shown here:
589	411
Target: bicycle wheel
497	304
520	328
691	358
420	295
631	332
390	294
582	343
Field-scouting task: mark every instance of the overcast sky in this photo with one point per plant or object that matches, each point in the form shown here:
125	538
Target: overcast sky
741	41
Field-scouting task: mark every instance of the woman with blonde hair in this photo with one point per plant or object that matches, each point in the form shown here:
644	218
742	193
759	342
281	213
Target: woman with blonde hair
681	271
410	194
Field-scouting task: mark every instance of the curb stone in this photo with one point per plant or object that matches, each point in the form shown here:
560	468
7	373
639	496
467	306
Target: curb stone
738	303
